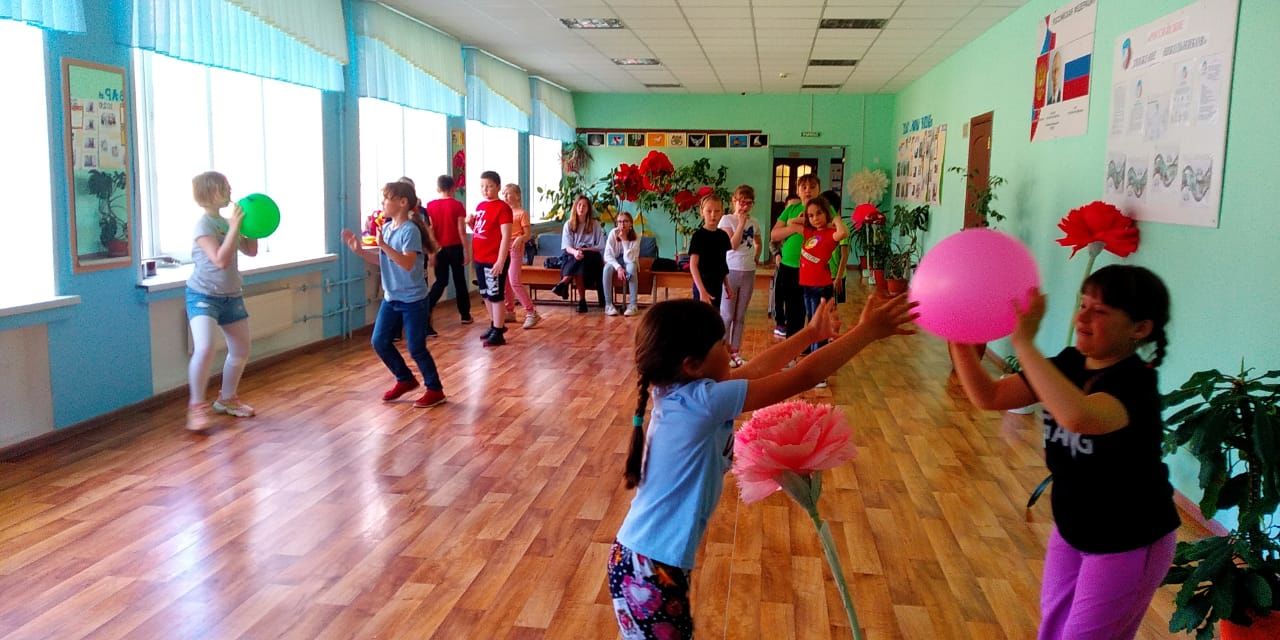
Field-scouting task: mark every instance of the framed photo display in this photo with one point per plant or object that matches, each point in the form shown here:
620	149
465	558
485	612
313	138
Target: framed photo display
95	132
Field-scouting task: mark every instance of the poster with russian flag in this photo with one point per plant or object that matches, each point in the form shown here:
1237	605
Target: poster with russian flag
1060	105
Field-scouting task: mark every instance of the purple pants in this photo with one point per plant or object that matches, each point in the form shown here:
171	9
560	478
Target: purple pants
1094	596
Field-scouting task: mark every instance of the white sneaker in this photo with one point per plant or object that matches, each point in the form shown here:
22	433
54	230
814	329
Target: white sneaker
233	407
610	310
822	384
531	319
781	333
631	311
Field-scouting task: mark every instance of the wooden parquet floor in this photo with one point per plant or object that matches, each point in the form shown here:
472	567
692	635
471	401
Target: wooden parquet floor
333	515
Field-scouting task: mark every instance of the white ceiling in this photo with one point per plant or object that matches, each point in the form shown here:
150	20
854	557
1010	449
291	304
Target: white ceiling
716	46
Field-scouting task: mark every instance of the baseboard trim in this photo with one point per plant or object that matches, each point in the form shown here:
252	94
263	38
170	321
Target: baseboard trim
43	440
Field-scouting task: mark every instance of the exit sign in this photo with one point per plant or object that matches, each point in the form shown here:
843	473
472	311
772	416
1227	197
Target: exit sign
810	134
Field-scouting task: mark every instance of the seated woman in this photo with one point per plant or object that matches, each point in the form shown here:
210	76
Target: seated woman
582	241
621	261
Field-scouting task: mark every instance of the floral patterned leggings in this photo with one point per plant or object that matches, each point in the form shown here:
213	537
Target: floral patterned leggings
650	599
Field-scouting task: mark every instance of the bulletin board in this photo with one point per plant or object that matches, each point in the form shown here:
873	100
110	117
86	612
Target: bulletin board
1170	96
96	137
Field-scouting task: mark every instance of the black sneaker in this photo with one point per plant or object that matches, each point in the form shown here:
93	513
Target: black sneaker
495	339
467	320
561	290
582	306
485	336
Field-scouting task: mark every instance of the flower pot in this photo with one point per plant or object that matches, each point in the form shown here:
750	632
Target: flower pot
882	285
1267	626
117	248
896	285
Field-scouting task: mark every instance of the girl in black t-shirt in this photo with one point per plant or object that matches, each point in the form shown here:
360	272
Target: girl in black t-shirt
1113	539
708	249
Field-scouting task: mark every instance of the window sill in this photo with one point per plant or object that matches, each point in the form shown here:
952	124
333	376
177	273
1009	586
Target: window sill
32	306
176	277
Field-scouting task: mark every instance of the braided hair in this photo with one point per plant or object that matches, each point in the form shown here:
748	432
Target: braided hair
670	333
1139	293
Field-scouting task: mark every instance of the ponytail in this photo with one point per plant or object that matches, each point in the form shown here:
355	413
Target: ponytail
1162	344
635	456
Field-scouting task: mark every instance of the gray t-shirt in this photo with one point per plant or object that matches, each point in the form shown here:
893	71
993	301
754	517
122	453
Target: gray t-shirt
207	278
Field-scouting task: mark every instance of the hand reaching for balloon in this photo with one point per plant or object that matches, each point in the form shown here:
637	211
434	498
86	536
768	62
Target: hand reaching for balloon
236	219
1029	317
884	317
825	323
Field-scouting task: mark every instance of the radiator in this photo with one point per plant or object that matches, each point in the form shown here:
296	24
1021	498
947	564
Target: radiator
269	314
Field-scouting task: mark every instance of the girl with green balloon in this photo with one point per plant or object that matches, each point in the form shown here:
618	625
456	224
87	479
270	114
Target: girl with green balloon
215	292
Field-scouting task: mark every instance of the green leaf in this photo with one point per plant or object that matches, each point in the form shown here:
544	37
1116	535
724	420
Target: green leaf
1233	491
1222	592
1259	591
1212	476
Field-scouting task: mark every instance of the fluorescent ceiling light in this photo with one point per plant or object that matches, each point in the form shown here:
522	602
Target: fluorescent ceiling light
833	62
636	62
592	23
851	23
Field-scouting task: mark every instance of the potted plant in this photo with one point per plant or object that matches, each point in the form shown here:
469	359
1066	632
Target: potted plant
1233	430
113	229
907	223
983	196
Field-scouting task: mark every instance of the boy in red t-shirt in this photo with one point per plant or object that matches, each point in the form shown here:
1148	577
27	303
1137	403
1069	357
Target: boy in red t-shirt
490	240
448	222
822	235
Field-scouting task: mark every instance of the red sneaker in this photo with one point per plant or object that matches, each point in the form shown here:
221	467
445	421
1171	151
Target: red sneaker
400	389
429	399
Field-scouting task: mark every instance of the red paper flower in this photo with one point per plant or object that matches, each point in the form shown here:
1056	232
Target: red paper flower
460	159
685	200
866	214
627	182
656	168
1099	222
704	192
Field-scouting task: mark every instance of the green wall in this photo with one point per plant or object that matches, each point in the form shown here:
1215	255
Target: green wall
1223	281
862	124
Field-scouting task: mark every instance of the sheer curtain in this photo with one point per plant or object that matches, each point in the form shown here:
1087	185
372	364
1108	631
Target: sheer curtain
553	115
407	62
498	93
57	15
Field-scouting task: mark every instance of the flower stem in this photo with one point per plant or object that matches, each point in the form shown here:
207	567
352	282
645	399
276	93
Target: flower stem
833	559
1088	269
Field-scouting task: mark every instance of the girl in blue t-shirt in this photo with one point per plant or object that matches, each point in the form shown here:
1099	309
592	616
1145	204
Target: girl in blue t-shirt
403	241
1115	520
679	467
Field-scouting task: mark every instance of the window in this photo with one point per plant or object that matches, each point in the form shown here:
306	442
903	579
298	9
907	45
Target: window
398	141
781	182
544	171
27	214
490	149
264	135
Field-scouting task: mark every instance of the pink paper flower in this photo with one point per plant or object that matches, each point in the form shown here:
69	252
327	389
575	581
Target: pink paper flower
792	436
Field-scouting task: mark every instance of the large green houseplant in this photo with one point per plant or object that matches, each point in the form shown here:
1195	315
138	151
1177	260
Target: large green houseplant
113	228
1233	430
984	195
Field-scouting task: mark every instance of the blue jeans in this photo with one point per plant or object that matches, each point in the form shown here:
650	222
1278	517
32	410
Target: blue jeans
394	316
633	280
813	296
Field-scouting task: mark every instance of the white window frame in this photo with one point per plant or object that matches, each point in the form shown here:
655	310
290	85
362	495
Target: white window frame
418	138
28	261
302	234
545	170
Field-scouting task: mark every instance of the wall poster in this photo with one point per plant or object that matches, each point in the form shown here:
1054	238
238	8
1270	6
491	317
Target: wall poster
1060	104
96	137
1167	128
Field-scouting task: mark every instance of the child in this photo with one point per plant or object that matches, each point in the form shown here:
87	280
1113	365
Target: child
581	242
821	238
840	258
790	298
520	234
214	299
680	466
708	248
743	256
418	215
448	218
490	241
404	307
1113	507
621	259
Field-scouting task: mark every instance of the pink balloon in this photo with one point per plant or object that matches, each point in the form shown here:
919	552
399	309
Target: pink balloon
967	283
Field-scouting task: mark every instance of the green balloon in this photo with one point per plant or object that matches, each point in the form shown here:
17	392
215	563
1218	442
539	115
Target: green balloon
261	216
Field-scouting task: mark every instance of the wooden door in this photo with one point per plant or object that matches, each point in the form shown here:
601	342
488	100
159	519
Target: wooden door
979	168
785	173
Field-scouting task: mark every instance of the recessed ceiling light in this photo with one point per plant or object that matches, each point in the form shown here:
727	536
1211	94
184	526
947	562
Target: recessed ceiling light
592	23
833	62
664	85
636	62
851	23
820	86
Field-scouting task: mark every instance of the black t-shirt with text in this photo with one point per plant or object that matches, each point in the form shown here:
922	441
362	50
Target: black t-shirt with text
711	246
1111	492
